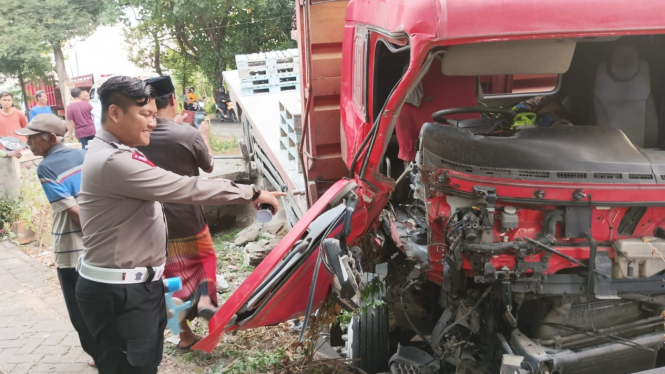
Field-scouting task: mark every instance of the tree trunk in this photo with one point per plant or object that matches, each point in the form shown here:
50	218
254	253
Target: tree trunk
184	74
219	78
61	71
157	62
23	93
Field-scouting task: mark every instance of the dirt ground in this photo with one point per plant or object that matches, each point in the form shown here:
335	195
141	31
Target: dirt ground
265	349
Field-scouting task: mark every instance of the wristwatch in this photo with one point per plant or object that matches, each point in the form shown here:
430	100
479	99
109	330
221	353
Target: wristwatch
257	192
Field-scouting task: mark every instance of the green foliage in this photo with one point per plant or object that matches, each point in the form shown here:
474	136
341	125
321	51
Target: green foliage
30	30
23	55
226	236
9	211
32	208
258	362
208	33
224	145
227	256
373	288
211	109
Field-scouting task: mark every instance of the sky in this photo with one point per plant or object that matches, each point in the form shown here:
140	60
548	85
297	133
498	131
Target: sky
101	53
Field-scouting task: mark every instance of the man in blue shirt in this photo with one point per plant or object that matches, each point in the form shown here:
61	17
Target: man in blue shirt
42	105
60	176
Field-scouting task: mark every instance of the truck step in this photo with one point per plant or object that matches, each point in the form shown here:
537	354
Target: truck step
288	86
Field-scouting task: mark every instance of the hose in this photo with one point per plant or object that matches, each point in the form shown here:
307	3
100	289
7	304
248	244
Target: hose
415	329
550	219
495	247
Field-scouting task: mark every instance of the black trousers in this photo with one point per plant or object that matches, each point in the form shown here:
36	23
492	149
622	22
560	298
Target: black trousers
127	321
68	278
223	108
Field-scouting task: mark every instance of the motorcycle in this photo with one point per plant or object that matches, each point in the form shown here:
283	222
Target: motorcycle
231	113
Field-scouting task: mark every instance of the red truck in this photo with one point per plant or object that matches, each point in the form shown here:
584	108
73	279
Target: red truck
52	93
498	165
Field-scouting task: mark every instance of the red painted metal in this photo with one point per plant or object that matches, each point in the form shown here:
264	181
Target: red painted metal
472	20
84	81
431	23
32	88
556	191
218	323
427	24
605	220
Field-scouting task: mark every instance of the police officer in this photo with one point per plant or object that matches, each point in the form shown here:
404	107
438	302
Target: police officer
119	291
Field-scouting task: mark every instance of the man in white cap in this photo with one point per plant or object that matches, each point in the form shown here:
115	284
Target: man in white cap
60	177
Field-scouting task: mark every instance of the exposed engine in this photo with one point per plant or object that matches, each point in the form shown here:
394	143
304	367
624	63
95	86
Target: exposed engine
478	285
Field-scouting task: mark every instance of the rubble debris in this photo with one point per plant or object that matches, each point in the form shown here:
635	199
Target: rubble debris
257	226
222	284
275	227
254	254
246	237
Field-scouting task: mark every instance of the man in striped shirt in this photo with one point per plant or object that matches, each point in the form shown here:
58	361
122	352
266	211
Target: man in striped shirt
60	176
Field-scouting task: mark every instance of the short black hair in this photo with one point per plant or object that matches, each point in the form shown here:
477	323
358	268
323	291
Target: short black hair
6	93
76	92
39	93
124	91
163	101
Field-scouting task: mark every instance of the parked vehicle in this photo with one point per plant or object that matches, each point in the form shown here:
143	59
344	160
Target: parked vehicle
52	93
505	182
231	113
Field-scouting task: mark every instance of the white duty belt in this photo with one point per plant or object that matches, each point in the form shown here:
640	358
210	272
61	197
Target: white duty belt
119	276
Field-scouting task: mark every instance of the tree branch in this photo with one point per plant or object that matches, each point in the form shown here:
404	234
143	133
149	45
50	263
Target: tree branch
181	44
183	40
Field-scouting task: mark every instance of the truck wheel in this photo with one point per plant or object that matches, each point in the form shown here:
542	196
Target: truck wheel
367	337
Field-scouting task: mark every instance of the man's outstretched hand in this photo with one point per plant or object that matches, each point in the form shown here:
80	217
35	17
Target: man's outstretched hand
16	153
180	118
268	198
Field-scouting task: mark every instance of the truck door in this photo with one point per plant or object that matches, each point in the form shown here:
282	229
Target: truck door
310	262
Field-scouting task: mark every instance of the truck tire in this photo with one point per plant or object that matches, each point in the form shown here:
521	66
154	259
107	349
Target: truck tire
367	337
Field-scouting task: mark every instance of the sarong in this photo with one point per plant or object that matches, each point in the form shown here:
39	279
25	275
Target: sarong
194	260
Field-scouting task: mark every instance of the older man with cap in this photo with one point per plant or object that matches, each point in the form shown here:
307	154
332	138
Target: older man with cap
120	291
191	255
60	177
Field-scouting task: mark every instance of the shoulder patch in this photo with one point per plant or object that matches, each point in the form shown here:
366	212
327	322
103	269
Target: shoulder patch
139	157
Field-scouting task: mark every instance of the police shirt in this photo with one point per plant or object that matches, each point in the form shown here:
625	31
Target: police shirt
119	203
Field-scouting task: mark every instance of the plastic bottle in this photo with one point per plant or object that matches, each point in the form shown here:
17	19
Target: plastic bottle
265	213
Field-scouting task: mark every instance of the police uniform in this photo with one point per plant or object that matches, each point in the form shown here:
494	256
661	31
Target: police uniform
119	291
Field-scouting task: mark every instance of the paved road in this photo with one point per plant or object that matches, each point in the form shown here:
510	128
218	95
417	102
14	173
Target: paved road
220	128
35	333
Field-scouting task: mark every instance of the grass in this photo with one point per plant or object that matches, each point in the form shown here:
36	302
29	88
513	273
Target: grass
229	258
258	361
272	349
230	261
224	145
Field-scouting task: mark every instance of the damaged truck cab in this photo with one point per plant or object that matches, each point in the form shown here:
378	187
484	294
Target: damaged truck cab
506	184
